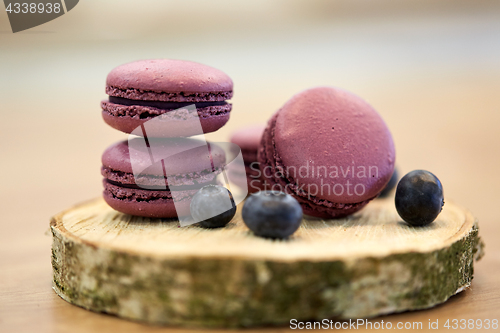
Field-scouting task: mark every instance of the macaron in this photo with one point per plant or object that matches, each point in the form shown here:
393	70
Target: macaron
248	139
142	90
158	179
329	149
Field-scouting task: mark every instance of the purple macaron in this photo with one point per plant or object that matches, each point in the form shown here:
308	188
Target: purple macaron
134	185
329	149
142	90
248	139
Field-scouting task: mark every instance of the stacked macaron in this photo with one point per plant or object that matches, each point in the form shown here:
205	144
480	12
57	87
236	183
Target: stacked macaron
248	139
142	90
163	102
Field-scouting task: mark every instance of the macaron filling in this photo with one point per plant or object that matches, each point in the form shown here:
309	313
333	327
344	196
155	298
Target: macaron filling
145	111
193	179
183	96
122	186
161	104
165	187
128	194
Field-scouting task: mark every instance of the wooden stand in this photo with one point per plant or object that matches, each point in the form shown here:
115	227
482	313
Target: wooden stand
365	265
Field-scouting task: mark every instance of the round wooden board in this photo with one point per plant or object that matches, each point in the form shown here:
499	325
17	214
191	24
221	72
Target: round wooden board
365	265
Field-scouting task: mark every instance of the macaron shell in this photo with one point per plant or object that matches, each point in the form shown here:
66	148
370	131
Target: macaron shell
249	180
254	185
148	79
249	156
158	209
154	204
248	138
311	205
186	155
328	213
332	128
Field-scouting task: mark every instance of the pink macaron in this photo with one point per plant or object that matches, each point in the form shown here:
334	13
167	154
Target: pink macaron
248	139
329	149
142	90
144	180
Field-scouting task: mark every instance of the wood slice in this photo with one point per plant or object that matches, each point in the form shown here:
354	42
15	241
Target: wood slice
365	265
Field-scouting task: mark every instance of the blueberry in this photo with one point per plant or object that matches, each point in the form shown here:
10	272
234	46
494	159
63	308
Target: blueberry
419	197
213	206
390	185
272	214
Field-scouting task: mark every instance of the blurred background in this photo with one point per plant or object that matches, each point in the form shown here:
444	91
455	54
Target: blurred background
430	67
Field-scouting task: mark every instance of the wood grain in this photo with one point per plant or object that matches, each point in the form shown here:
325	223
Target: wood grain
361	266
376	231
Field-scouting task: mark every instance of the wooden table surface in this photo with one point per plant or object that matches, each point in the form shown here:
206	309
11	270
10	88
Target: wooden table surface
437	90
